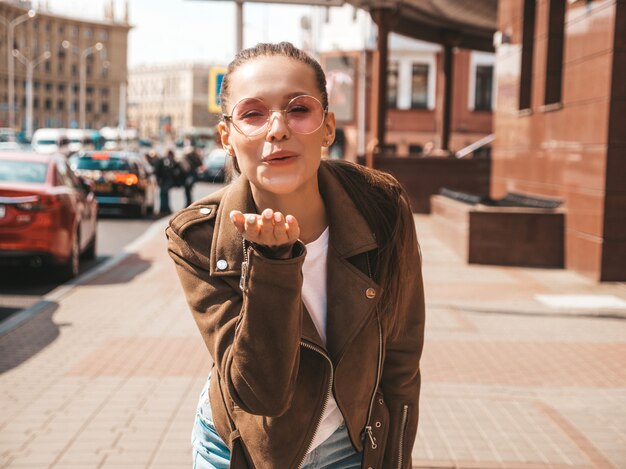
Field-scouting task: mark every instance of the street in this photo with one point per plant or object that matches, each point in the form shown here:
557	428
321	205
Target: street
22	288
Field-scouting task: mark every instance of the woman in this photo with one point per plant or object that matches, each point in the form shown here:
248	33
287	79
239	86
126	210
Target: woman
304	277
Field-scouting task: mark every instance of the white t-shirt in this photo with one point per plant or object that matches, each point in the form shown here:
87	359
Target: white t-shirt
314	298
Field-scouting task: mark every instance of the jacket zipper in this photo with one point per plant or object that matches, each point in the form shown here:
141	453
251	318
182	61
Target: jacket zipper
405	414
368	427
328	393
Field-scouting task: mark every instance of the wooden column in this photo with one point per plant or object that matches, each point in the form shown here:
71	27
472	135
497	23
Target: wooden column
448	81
381	17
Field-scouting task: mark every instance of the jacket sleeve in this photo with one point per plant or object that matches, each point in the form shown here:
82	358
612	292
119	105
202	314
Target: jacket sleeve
254	337
401	372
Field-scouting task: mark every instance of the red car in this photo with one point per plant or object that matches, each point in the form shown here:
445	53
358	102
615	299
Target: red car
47	214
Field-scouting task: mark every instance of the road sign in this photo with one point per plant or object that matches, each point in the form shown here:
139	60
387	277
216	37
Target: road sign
216	75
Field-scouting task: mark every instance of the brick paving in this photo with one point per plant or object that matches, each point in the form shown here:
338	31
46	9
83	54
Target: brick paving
108	375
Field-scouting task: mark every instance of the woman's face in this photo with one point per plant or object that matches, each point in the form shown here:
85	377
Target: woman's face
279	160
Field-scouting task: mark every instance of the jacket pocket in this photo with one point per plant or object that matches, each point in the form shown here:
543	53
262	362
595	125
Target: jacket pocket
404	420
375	435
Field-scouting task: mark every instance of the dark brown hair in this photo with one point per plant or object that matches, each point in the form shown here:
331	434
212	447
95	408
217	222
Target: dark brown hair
282	49
385	205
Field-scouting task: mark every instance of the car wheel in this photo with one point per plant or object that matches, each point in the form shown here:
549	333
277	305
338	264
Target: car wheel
90	252
69	270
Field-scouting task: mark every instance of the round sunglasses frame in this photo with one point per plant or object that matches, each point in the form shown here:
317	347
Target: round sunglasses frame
263	130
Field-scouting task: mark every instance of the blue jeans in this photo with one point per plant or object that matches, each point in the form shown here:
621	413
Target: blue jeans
210	451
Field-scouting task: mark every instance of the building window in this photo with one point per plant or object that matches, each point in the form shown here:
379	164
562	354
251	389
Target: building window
104	73
74	31
528	45
74	69
90	90
35	84
484	88
88	71
46	46
104	108
89	107
61	87
48	104
419	86
554	57
392	84
74	51
104	92
60	104
48	86
61	29
36	103
75	105
61	67
88	33
47	67
104	35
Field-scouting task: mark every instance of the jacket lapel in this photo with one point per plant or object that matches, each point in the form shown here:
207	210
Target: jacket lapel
348	305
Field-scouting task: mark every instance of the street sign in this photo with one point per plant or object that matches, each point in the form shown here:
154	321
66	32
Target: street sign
216	75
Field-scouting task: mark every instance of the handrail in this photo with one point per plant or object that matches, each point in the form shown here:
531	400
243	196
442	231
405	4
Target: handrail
472	147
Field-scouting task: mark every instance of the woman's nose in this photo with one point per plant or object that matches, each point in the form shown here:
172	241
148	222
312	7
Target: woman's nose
277	128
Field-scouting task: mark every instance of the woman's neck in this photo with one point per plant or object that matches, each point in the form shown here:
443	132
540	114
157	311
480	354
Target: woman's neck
306	205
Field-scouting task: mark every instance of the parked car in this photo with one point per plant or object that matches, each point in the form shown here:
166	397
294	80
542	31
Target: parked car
214	166
121	180
47	215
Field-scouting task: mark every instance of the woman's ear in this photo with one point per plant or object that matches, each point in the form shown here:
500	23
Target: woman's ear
225	138
329	129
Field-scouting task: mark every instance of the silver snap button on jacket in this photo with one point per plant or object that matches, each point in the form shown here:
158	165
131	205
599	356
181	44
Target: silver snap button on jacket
370	293
205	211
222	264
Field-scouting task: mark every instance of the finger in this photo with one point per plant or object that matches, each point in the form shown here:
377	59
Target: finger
293	229
237	218
251	227
266	232
280	229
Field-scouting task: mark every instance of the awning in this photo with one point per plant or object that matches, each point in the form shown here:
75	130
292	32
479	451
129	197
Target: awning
467	24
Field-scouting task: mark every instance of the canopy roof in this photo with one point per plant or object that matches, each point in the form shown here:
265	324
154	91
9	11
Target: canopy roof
462	23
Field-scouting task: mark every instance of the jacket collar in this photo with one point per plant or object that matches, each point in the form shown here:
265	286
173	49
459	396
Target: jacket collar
349	232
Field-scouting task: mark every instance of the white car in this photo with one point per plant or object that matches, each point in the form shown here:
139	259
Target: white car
51	141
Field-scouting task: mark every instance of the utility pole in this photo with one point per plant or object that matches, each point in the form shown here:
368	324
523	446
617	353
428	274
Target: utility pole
10	25
30	66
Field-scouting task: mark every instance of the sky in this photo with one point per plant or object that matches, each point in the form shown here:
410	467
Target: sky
166	31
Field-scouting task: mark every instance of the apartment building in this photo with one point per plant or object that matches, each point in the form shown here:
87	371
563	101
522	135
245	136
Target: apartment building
56	80
168	100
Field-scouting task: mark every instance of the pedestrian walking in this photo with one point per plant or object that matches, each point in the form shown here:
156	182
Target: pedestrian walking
304	278
192	165
169	174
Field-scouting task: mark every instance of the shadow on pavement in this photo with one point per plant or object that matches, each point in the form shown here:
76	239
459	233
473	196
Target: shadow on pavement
126	270
30	338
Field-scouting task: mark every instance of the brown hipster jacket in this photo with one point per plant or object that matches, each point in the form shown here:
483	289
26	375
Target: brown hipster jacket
274	374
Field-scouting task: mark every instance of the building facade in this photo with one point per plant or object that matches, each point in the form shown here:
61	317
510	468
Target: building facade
56	81
165	101
560	121
346	38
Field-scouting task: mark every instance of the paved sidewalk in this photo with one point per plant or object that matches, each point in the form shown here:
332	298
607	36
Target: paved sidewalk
108	375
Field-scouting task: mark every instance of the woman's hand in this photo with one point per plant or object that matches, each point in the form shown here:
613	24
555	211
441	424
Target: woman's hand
271	230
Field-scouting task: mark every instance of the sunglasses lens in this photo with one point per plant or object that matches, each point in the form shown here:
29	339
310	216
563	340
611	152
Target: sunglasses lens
250	116
304	114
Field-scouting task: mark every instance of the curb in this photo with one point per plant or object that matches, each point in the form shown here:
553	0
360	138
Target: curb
61	291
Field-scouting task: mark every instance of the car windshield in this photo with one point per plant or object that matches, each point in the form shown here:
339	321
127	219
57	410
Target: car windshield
46	142
23	171
102	164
